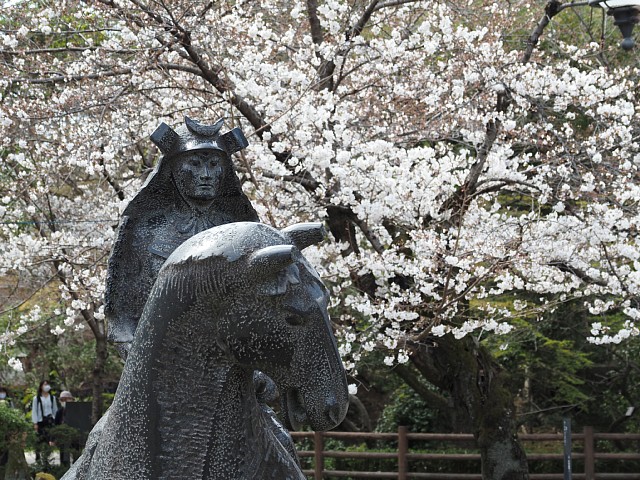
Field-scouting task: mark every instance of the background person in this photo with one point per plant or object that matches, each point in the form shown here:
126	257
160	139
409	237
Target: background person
5	399
43	414
65	397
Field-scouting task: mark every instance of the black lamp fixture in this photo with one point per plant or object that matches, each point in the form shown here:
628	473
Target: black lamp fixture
626	13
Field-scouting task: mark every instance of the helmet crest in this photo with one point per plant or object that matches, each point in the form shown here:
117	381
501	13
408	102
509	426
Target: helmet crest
195	136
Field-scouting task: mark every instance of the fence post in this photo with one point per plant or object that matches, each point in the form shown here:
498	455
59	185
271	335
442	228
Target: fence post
318	447
566	430
589	454
403	448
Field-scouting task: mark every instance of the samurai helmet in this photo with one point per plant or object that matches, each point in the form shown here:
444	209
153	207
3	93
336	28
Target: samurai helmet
196	136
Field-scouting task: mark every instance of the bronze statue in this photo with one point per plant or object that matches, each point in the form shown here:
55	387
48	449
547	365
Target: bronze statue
180	233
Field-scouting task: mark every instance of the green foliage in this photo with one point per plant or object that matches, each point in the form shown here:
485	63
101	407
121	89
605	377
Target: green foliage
75	360
408	409
13	426
389	464
66	439
42	463
573	26
15	433
555	371
66	361
583	25
65	436
107	400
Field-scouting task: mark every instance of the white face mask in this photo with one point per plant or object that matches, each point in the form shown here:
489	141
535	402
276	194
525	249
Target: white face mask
62	404
46	388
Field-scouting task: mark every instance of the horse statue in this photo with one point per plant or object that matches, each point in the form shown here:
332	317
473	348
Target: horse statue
229	301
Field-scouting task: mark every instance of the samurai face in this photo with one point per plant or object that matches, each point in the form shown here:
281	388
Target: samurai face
198	173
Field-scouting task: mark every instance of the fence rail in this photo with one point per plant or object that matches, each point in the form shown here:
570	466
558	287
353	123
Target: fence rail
403	456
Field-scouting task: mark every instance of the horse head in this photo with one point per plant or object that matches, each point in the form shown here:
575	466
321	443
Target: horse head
268	311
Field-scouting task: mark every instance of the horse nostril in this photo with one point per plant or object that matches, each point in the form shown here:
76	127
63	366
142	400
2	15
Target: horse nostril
333	410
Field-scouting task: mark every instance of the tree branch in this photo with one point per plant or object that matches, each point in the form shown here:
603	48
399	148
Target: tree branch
72	78
581	274
314	22
614	270
363	20
180	68
394	3
38	51
552	8
461	199
308	183
373	239
326	68
432	398
112	181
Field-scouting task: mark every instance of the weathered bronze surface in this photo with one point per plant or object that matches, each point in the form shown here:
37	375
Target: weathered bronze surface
202	302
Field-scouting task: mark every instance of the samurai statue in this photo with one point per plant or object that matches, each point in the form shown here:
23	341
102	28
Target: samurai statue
194	187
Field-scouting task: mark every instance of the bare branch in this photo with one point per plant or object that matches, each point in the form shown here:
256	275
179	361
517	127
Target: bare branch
581	274
460	200
376	244
393	3
308	183
72	78
500	183
37	51
614	270
362	21
433	399
180	68
552	8
68	32
314	22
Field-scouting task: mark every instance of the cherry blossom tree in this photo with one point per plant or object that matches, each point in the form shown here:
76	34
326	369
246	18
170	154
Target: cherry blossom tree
454	167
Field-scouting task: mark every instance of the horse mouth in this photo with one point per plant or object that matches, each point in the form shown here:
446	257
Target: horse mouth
293	409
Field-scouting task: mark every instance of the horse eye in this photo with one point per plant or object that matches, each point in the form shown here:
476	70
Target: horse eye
295	320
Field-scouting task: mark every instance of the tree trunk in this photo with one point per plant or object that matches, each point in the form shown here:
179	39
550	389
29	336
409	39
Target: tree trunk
495	430
483	403
97	377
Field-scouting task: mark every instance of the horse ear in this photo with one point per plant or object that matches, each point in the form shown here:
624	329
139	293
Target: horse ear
270	260
303	235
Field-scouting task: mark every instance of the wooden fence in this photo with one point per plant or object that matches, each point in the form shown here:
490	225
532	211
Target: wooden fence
594	462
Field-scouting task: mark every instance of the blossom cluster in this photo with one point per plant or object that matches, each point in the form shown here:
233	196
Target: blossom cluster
397	143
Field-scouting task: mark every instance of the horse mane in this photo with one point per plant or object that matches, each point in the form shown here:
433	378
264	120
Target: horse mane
214	263
192	280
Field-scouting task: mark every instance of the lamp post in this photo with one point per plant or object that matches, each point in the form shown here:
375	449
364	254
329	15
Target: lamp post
626	13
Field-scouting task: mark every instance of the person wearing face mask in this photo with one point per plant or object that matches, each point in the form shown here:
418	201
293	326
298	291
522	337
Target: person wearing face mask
65	398
5	399
43	413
